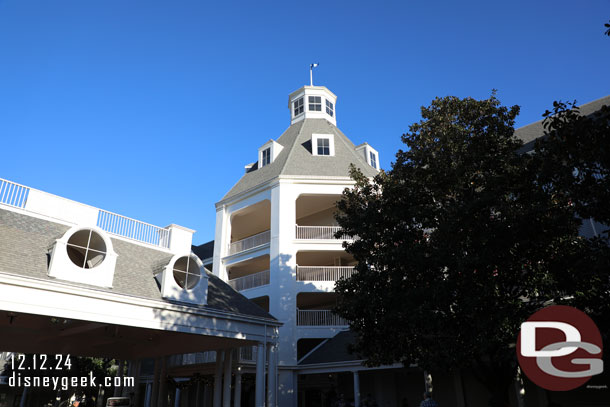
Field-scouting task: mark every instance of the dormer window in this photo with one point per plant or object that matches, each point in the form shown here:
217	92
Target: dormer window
298	106
266	157
83	255
315	103
186	272
86	249
330	108
373	158
323	144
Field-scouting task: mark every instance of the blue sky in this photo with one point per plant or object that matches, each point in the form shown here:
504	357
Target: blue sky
152	108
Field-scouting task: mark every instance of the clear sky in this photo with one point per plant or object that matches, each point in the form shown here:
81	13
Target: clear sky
152	108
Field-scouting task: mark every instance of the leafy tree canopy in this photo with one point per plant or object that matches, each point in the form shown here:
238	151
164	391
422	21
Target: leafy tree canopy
457	245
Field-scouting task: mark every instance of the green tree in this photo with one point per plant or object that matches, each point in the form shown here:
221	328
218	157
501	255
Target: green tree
574	164
457	245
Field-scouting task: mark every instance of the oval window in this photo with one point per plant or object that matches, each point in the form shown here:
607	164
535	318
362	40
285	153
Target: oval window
186	272
86	249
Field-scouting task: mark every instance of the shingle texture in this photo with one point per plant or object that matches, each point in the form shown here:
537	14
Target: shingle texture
296	157
528	134
25	242
336	349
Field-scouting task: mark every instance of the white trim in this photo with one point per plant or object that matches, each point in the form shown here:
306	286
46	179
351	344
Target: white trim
70	295
315	138
62	267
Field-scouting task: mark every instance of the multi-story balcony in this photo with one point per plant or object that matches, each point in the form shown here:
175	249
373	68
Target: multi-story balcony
323	273
318	317
260	239
250	281
319	232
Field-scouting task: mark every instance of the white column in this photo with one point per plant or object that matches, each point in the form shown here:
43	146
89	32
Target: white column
147	396
154	395
177	398
356	389
198	394
226	389
272	377
259	395
218	378
119	373
163	383
237	390
137	366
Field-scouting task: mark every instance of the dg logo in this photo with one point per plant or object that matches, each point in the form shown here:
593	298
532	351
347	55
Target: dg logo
559	348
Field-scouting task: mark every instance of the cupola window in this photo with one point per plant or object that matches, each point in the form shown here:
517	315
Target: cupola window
330	108
186	272
315	103
298	106
86	249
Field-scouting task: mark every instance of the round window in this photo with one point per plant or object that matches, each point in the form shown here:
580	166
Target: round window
186	272
86	249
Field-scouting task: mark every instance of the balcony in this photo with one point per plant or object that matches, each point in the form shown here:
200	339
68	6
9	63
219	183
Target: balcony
250	281
251	242
323	273
316	317
35	201
319	233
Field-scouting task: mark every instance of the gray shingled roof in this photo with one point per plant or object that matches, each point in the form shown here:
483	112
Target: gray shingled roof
335	350
528	134
296	158
25	242
204	251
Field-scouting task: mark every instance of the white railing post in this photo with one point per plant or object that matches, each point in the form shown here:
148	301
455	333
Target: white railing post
13	194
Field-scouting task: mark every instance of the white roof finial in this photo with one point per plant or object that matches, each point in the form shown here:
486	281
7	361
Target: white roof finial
311	67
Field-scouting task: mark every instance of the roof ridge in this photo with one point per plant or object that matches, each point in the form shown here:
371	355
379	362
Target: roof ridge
294	141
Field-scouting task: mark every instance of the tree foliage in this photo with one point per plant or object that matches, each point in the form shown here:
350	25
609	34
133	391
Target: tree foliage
457	245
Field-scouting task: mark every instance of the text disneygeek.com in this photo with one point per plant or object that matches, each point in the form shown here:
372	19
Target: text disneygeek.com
65	383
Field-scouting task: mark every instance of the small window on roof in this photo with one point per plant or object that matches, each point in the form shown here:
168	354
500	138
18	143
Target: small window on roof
86	249
373	159
298	106
186	272
330	108
323	146
315	103
266	156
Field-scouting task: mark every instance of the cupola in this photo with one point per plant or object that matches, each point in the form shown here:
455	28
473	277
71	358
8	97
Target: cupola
312	102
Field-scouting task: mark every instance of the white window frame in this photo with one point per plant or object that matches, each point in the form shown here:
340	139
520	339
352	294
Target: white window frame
266	156
373	157
302	106
274	149
310	103
331	144
330	108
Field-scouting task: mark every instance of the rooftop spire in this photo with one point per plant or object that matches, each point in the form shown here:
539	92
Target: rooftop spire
311	67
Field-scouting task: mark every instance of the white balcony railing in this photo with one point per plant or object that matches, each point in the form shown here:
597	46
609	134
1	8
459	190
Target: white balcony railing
323	273
250	242
35	201
250	281
133	229
319	232
13	194
316	317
